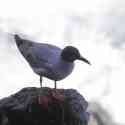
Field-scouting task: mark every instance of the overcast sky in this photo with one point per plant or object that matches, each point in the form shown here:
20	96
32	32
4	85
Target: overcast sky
95	27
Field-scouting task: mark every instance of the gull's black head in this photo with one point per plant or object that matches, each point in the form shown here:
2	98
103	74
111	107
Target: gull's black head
71	54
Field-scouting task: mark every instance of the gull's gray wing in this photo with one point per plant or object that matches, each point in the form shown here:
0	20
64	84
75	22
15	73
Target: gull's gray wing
43	55
37	54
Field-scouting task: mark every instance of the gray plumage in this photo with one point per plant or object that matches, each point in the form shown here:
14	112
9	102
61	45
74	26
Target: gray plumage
48	60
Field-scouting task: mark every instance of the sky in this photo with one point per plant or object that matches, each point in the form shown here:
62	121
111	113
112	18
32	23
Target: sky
95	27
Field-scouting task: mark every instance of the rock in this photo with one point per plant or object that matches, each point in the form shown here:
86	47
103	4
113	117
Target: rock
44	106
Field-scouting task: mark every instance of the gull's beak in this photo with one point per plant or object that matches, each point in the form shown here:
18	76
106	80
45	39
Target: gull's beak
85	60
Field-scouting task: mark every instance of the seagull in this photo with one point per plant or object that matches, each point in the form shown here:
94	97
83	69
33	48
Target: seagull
48	60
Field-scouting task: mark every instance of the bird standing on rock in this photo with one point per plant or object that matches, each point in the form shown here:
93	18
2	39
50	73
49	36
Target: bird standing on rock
48	60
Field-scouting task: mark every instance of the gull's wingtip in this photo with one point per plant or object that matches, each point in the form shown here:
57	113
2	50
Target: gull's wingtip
16	37
18	40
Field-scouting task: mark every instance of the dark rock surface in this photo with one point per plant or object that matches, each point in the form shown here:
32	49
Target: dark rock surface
44	106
